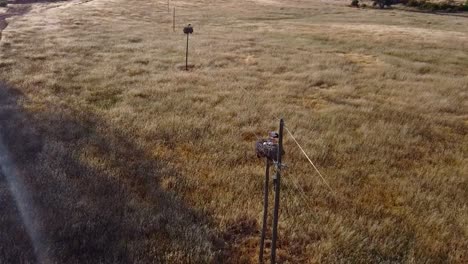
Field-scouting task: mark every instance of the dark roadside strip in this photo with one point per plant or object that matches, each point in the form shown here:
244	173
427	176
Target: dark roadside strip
13	10
19	8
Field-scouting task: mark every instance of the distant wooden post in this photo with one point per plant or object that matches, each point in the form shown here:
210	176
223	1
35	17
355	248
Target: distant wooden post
277	194
173	20
168	7
186	55
265	210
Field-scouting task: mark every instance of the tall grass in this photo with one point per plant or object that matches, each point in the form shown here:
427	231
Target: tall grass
132	160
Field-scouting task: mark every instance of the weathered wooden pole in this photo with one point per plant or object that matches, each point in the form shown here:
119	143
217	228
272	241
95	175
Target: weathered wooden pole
186	55
277	194
173	20
265	210
187	30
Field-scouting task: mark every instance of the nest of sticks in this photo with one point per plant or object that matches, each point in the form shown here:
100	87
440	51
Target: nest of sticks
266	148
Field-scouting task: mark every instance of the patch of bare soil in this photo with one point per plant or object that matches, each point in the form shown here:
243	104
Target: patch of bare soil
361	59
267	2
23	2
189	67
402	31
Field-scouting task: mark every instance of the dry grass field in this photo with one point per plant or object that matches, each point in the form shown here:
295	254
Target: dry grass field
112	154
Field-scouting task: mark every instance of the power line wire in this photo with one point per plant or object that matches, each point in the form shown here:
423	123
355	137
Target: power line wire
310	161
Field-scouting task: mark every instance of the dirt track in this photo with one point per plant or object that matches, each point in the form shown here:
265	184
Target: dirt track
18	8
14	10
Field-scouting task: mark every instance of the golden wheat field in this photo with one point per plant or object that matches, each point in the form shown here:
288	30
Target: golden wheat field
111	152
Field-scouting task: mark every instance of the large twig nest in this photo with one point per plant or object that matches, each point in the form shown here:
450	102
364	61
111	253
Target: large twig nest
265	148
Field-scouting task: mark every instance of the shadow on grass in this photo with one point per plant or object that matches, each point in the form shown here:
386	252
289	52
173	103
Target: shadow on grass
97	194
15	240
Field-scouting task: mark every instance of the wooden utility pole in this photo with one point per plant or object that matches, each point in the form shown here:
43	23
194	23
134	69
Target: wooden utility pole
187	30
265	210
173	20
186	55
277	194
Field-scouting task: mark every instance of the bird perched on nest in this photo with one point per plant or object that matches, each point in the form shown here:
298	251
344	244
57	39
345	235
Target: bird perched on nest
188	29
268	148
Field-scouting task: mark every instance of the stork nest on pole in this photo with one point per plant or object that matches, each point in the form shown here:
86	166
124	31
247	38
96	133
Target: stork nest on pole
268	148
